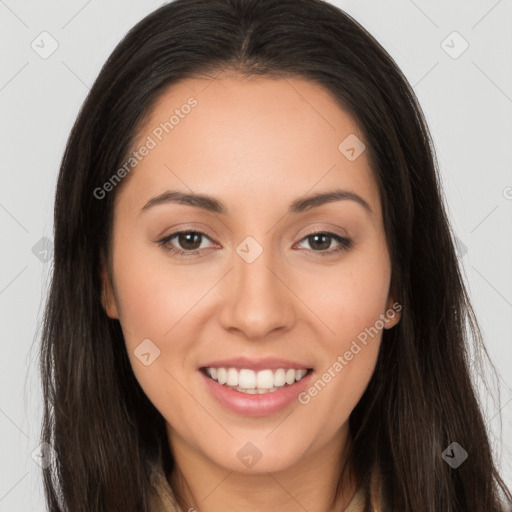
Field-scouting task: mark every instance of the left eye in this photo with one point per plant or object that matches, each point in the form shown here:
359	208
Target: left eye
190	241
319	239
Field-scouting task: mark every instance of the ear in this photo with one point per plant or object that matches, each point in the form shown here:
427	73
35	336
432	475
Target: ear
108	298
394	308
393	313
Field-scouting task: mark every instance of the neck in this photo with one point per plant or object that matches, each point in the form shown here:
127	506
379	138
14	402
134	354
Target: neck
201	485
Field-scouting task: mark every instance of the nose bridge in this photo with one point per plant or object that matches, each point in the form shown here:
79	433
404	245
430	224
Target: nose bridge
256	302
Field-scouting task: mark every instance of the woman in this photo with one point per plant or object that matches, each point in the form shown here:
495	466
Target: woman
256	302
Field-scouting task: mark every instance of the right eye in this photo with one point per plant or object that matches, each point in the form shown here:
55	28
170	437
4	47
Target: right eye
186	239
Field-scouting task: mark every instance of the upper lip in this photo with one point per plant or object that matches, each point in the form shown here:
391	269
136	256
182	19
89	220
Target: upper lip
272	363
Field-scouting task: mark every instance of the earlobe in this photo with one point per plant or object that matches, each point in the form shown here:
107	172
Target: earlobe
108	299
393	313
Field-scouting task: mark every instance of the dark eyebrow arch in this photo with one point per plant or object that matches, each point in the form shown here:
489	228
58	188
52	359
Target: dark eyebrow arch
321	198
213	205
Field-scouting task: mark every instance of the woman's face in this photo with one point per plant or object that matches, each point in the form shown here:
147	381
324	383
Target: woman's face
262	295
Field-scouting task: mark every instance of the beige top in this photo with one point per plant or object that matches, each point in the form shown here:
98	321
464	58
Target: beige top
167	502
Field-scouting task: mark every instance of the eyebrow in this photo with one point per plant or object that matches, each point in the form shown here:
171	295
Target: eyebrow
213	205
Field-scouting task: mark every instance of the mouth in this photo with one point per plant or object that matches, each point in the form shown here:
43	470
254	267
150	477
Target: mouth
255	386
253	382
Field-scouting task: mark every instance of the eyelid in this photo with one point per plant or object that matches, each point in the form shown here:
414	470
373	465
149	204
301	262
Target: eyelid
332	228
196	227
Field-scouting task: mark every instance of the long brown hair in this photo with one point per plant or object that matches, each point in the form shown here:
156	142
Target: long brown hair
107	435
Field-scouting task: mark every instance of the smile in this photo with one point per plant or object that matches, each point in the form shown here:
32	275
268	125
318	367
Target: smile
255	382
257	392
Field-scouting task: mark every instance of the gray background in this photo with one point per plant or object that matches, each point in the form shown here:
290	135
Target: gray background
467	99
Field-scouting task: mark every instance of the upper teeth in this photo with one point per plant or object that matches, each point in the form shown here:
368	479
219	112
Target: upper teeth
249	379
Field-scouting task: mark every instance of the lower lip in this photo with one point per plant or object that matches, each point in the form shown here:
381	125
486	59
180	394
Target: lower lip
245	404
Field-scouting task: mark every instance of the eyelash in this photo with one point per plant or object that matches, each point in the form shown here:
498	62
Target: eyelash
345	243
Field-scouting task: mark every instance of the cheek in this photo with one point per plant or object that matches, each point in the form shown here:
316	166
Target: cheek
153	294
351	303
156	302
350	299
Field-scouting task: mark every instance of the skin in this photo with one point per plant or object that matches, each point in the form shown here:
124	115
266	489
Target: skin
256	145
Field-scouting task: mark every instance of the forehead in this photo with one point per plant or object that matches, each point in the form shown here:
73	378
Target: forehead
260	137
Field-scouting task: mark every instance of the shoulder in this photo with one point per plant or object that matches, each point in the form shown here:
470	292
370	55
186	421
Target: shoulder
163	499
357	502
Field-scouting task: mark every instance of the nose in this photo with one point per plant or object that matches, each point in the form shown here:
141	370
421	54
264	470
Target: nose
256	299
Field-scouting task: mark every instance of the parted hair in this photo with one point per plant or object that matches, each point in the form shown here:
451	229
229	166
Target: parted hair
109	439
